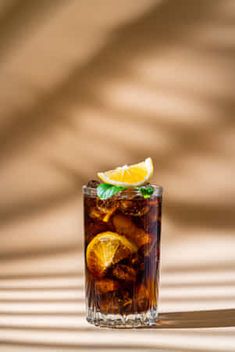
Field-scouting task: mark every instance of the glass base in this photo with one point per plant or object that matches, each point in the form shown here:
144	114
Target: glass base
145	319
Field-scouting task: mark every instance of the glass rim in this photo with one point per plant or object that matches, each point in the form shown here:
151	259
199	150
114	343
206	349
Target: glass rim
92	192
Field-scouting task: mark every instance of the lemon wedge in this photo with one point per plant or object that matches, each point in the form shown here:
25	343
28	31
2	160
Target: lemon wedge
106	249
129	175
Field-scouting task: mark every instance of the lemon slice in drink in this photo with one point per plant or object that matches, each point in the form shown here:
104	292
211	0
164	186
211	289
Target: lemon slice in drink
106	249
129	176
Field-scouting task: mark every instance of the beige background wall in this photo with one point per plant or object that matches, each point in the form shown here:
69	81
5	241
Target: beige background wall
88	85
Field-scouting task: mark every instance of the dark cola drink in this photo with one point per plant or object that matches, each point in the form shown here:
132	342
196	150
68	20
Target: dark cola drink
122	252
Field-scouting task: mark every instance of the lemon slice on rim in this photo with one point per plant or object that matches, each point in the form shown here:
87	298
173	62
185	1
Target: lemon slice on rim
106	249
129	176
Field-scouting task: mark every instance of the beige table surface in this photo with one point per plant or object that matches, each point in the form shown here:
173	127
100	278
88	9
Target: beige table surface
42	305
87	85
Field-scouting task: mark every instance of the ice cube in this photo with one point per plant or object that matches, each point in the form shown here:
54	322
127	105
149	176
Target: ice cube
102	210
124	272
106	204
110	304
93	183
105	286
106	207
124	226
93	228
136	206
101	215
149	249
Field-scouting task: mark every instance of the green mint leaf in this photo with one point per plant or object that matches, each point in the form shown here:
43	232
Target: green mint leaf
105	190
146	191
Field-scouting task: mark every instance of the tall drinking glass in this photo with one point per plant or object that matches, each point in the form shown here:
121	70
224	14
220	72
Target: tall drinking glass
122	253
